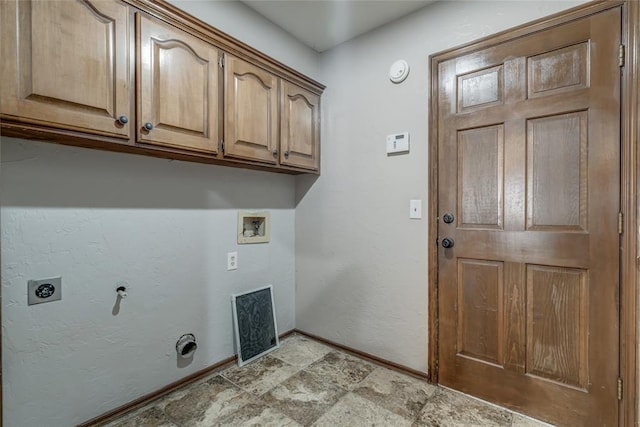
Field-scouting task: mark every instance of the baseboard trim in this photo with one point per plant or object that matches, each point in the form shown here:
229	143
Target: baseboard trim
367	356
148	398
141	401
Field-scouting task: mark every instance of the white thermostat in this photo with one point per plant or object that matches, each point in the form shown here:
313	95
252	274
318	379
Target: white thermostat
398	143
399	71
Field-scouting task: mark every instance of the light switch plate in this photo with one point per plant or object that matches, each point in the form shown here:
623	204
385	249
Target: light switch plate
415	209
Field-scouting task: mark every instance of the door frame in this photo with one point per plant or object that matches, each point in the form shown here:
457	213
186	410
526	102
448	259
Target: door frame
630	203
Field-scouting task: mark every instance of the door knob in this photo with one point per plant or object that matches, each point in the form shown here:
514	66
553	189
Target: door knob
447	218
123	120
447	243
148	126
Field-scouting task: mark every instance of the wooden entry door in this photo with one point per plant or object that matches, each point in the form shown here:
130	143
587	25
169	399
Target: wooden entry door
529	175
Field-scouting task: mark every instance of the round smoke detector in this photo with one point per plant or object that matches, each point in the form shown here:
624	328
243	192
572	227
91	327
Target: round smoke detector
399	71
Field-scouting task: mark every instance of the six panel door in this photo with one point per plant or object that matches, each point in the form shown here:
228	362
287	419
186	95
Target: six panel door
251	112
528	166
67	67
178	88
299	128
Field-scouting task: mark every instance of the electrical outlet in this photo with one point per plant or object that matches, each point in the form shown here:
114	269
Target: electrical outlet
44	290
232	260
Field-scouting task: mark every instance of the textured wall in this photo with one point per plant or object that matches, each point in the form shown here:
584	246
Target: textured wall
361	272
245	24
165	227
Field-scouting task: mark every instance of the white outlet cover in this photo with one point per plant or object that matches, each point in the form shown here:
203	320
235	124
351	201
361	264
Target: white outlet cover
232	260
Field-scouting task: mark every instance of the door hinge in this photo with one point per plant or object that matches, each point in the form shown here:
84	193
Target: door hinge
222	145
619	222
221	62
621	55
619	388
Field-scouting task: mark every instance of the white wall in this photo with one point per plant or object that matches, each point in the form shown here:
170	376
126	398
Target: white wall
361	272
97	218
246	25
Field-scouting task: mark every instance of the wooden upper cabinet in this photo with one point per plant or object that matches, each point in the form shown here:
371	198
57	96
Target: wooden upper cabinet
178	88
67	65
251	112
143	77
299	128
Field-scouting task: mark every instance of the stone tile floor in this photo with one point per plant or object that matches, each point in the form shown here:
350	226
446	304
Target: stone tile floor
305	383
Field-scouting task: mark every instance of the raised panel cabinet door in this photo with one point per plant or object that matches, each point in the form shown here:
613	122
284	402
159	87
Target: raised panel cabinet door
251	112
299	128
67	64
178	88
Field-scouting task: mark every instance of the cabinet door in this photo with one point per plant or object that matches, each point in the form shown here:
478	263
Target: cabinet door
299	128
67	64
251	112
178	90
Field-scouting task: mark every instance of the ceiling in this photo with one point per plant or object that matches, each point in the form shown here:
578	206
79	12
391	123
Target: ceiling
323	24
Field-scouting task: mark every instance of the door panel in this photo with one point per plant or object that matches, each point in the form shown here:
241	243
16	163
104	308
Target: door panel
557	172
480	295
480	89
67	66
480	177
178	91
556	324
558	71
528	161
